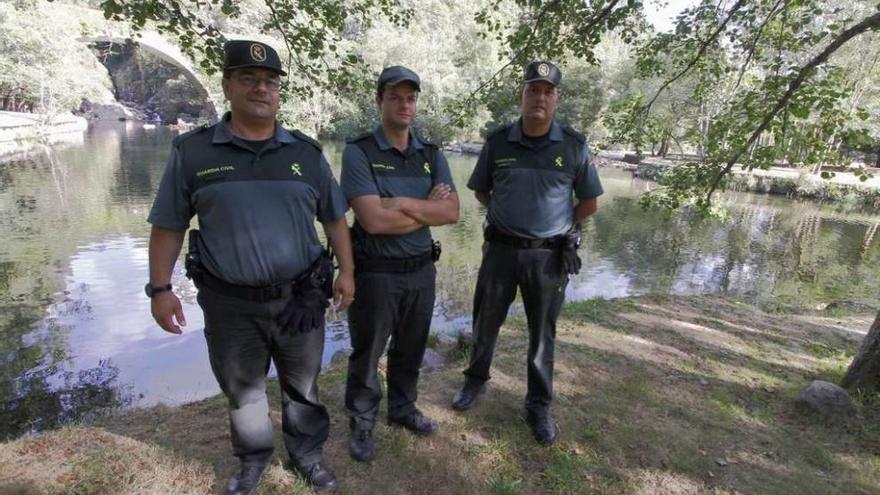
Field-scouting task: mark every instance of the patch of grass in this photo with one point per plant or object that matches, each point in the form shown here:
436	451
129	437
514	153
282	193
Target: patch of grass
397	441
839	312
633	387
572	472
593	310
822	350
591	431
629	423
565	472
499	485
433	340
90	460
336	374
725	406
500	455
816	455
518	324
764	413
833	368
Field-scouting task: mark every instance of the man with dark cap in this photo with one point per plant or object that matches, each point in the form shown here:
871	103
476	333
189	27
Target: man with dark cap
527	175
398	186
264	280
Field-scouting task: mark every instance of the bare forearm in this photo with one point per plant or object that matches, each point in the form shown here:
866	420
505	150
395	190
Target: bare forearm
431	211
164	249
376	219
340	240
584	208
391	222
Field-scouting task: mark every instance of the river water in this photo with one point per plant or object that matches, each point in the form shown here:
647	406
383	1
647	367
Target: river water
76	334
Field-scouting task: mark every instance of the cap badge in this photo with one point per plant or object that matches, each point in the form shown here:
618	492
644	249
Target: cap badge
544	70
258	52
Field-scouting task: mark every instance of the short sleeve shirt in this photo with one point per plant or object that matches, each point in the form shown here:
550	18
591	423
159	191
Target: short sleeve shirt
256	210
532	183
371	166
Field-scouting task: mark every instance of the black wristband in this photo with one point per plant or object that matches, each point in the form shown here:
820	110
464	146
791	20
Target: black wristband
152	291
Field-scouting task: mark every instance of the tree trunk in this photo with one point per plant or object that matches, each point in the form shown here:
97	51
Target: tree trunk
864	372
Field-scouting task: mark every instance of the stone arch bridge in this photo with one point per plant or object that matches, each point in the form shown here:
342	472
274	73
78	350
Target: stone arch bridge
158	45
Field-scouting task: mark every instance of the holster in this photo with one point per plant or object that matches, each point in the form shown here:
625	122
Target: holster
318	276
192	262
436	250
309	297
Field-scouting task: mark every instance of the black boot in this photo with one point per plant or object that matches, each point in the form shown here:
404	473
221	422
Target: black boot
361	448
467	396
318	476
415	422
247	479
542	426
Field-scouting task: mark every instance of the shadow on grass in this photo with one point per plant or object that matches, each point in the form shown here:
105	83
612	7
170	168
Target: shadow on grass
653	395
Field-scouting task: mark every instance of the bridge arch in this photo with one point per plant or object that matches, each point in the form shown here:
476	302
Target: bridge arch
154	43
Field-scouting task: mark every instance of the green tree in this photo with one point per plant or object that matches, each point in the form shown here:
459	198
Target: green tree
42	68
766	79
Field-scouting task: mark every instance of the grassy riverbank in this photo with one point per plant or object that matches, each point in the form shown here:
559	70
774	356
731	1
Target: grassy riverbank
654	395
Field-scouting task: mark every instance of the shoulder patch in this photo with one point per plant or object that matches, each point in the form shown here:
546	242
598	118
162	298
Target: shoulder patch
186	135
302	137
359	137
575	134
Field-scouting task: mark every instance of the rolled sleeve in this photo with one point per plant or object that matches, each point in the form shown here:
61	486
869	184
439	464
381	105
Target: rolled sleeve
481	177
332	204
587	183
357	179
172	208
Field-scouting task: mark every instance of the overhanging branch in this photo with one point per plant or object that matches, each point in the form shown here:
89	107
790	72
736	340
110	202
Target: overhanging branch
869	23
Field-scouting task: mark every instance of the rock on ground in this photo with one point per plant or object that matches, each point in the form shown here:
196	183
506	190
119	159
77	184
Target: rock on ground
828	399
433	361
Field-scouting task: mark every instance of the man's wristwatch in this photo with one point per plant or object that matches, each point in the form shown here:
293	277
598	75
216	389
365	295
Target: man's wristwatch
152	291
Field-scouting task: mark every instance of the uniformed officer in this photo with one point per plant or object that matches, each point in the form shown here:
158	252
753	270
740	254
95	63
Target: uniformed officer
257	189
527	175
398	186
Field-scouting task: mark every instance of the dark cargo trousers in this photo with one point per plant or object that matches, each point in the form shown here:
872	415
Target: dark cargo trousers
539	276
243	336
395	305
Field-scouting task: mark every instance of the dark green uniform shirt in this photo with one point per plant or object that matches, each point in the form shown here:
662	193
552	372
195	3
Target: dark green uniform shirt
532	181
256	210
371	166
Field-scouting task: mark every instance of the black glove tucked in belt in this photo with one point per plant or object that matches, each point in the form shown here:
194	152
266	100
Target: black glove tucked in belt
304	312
571	240
310	298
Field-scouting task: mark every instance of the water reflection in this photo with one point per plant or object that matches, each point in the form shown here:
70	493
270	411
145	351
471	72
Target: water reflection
46	397
75	327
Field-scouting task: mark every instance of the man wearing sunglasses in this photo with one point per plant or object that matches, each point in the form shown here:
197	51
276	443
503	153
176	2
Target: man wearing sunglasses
263	278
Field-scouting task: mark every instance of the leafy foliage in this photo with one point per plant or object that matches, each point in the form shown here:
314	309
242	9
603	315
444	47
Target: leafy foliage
41	70
312	32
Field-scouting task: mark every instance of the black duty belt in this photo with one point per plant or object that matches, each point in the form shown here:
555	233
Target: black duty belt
257	294
492	234
391	265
